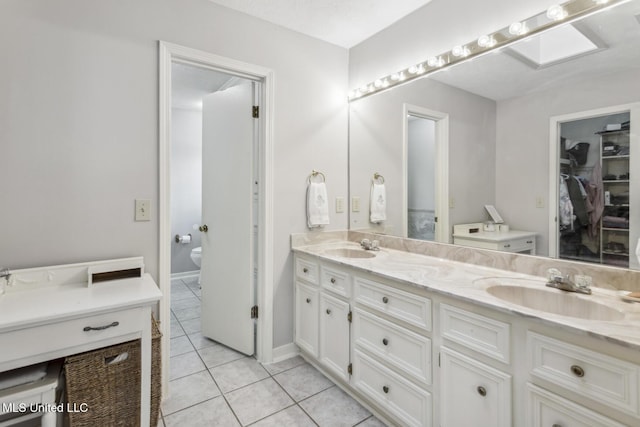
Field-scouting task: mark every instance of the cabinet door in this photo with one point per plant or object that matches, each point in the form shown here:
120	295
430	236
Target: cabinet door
307	304
473	394
334	335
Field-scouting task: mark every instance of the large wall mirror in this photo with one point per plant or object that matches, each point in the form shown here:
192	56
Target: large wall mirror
501	130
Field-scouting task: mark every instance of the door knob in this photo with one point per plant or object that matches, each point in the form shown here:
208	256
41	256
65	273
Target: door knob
203	228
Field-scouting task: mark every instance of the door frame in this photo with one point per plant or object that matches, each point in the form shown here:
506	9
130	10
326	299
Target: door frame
554	160
168	53
443	234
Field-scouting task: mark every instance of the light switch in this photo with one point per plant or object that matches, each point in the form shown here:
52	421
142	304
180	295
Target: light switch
452	202
355	204
143	210
539	202
339	204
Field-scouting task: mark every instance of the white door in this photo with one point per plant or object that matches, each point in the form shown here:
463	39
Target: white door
334	335
227	271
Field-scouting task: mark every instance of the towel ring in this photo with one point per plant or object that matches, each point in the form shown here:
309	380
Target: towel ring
315	173
379	178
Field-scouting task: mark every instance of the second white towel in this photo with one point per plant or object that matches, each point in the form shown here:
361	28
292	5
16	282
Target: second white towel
378	209
317	205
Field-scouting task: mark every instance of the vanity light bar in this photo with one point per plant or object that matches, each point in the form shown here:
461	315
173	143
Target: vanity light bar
552	17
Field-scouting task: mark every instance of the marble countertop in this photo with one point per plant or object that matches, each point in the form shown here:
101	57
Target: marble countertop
469	283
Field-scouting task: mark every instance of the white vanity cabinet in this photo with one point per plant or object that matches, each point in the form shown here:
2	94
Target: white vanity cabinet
419	357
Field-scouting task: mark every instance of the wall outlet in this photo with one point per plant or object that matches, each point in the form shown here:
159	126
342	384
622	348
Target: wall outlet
539	202
355	204
143	210
339	204
452	203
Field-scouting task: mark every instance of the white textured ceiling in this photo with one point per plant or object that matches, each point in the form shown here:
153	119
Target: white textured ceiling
341	22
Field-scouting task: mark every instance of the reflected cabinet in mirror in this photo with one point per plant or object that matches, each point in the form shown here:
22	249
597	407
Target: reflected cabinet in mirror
545	130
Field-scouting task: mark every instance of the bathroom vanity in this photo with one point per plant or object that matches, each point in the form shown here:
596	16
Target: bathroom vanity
51	313
425	341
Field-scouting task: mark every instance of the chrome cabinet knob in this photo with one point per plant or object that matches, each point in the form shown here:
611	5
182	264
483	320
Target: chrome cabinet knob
385	300
305	270
203	228
328	311
385	389
308	300
482	391
333	280
577	371
385	341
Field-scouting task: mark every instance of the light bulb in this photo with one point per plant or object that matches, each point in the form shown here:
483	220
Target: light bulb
378	83
435	61
486	41
413	69
556	13
420	69
460	51
401	76
395	77
385	83
517	28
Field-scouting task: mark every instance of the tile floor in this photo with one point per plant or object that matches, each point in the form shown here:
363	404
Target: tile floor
212	385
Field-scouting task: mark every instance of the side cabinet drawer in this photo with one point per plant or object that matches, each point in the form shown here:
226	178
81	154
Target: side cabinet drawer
407	402
600	377
405	350
307	270
336	281
482	334
410	308
25	343
545	409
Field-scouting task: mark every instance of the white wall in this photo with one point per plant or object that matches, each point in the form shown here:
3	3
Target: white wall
522	144
186	185
375	145
79	125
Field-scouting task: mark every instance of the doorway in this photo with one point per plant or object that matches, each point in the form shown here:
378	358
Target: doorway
254	85
426	172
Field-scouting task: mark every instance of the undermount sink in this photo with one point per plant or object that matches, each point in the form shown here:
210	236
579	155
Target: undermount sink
350	253
556	302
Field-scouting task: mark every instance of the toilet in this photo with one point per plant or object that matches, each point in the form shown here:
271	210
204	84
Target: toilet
196	257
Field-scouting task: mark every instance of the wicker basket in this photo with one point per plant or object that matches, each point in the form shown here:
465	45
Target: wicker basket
112	391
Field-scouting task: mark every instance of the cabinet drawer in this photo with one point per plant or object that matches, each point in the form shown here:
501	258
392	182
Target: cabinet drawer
517	245
405	350
472	393
403	400
335	280
307	270
482	334
70	334
545	409
603	378
410	308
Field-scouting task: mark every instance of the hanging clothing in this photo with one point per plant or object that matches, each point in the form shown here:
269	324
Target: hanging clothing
597	200
577	195
566	207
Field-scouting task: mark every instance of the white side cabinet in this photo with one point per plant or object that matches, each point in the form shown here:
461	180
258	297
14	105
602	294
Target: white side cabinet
335	315
472	393
306	328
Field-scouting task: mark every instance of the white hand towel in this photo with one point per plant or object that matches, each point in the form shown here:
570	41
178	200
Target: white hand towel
317	205
378	209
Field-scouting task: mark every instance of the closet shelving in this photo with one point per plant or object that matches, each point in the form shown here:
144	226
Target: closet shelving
614	225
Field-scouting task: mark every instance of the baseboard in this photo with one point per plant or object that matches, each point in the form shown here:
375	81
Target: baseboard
185	275
284	352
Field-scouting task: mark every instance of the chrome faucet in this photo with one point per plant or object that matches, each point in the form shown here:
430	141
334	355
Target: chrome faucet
369	245
5	273
563	282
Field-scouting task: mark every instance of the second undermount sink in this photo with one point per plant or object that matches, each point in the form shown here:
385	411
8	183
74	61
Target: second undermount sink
556	302
350	253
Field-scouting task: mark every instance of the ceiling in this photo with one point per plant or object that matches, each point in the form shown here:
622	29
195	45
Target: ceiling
190	84
341	22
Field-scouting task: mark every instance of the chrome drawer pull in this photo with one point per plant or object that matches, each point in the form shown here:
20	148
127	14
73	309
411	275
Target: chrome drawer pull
577	371
385	341
482	391
333	280
308	300
385	389
385	300
100	328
